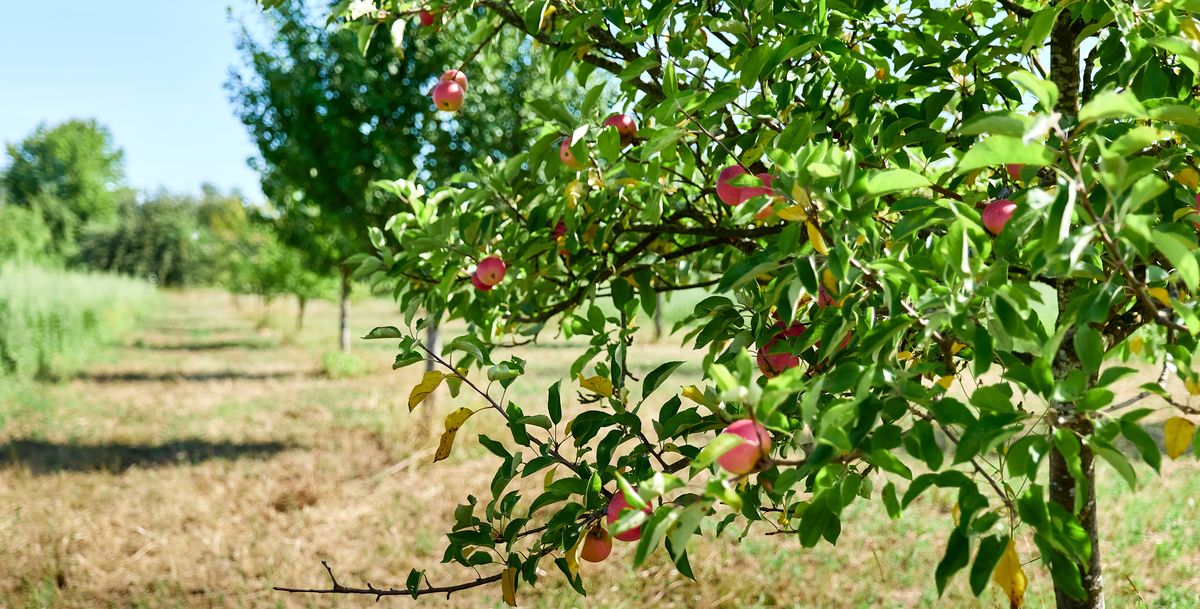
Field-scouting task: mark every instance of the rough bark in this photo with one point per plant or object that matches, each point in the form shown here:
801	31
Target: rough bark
344	312
1065	73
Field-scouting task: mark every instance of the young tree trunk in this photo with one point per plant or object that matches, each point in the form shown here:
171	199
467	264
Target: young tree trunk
344	314
431	343
1064	72
302	302
658	321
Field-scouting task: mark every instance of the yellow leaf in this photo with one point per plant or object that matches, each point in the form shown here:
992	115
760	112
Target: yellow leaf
693	393
582	51
428	384
955	513
1161	295
549	479
598	385
573	554
956	347
573	192
1193	387
1010	576
454	420
1188	176
1135	345
508	582
859	240
1188	27
794	213
904	356
800	195
945	381
829	280
814	237
1179	432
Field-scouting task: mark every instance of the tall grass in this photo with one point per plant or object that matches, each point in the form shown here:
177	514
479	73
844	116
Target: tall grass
52	321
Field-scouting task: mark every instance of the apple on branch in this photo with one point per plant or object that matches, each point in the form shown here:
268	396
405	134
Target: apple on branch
755	445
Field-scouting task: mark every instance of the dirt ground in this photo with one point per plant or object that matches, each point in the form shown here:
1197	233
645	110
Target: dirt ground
209	459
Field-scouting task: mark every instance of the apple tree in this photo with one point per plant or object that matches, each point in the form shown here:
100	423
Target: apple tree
935	242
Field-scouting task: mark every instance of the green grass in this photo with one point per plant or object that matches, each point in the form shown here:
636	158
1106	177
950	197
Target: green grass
52	321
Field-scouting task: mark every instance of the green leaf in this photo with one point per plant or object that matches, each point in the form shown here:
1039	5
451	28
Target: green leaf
1045	90
1118	462
554	402
1089	346
890	501
1180	252
1111	105
957	556
894	180
998	150
656	377
384	332
1037	30
986	558
1145	444
631	496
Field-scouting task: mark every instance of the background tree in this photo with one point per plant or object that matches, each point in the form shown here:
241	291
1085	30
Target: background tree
929	244
330	120
70	174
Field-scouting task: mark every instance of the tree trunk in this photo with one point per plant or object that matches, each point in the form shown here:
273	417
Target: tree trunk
302	302
1062	492
1065	73
431	343
658	321
344	314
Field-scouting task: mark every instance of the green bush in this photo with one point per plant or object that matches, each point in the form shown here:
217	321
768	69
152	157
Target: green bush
340	365
52	321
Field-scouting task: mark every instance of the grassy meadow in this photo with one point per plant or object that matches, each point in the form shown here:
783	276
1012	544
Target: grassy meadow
209	457
52	321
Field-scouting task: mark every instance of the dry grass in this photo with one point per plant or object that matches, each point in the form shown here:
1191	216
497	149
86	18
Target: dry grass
208	460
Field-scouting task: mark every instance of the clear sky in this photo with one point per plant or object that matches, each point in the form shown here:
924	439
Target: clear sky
153	71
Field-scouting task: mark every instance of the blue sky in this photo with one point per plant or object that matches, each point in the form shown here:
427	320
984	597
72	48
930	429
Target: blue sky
151	70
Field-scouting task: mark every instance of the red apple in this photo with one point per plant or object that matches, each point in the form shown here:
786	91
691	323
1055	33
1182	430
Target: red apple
1014	170
491	270
597	545
568	157
457	76
478	283
448	96
824	299
625	127
743	458
736	195
997	213
617	505
772	361
427	18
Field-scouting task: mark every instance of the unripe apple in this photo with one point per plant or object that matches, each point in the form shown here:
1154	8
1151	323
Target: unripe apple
617	505
491	270
448	96
625	127
997	213
457	76
743	458
736	195
568	157
597	545
772	359
1014	170
427	18
478	283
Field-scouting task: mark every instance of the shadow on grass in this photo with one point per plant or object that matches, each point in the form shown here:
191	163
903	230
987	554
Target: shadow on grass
42	457
192	377
208	346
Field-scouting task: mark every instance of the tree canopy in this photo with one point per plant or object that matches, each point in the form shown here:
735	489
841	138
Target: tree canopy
934	242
